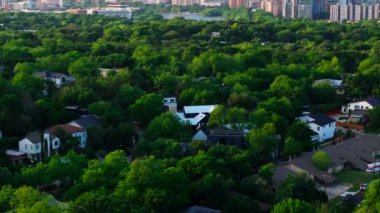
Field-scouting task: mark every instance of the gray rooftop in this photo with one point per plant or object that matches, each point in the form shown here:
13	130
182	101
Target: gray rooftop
45	74
34	137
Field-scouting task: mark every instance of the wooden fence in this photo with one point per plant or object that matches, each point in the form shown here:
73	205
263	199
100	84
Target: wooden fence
357	127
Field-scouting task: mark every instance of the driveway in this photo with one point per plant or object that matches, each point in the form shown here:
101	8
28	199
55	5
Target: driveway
334	190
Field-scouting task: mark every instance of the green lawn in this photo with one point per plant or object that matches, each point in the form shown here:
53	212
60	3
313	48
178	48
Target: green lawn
355	178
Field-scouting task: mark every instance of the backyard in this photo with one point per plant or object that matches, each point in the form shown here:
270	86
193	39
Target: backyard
356	177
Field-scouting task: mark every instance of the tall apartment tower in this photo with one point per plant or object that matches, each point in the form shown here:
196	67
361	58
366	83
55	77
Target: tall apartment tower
354	12
290	9
272	6
4	4
236	3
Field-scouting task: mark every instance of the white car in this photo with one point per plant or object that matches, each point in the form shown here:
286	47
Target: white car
372	170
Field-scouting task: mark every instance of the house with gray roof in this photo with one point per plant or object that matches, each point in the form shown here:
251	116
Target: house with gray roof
59	79
31	145
322	125
86	121
354	153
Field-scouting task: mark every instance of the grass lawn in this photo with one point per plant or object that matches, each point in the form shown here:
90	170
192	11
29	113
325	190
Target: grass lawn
355	178
336	201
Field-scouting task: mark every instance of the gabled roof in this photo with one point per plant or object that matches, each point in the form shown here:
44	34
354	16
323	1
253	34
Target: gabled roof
225	132
373	100
321	119
67	128
199	109
45	74
362	147
87	121
193	121
34	137
305	163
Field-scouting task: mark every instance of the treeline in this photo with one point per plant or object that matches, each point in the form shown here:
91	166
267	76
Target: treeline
259	71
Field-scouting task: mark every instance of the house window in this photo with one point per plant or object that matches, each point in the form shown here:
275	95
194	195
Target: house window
55	143
63	79
26	146
366	107
37	147
356	107
318	128
362	107
329	125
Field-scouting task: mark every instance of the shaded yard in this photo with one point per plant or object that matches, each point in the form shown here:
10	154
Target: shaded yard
355	178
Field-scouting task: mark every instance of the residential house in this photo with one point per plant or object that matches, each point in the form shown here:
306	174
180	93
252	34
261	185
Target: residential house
171	103
334	83
200	135
322	125
226	136
53	142
86	121
59	79
195	115
221	135
366	147
31	145
354	153
369	103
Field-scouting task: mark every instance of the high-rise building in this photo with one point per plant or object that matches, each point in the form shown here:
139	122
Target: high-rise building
4	4
254	4
236	3
354	12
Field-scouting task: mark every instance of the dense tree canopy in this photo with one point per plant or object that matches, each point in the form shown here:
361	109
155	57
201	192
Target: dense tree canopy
259	71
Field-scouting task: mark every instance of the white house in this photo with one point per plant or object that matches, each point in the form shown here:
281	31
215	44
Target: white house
171	103
77	132
321	124
59	79
194	115
31	145
370	103
52	143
